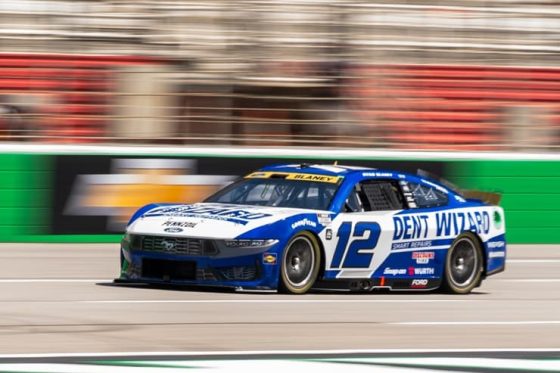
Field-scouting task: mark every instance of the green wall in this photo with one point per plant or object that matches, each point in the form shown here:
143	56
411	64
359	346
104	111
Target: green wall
24	196
530	194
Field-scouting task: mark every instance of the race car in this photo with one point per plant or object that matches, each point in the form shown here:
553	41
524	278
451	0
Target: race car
295	227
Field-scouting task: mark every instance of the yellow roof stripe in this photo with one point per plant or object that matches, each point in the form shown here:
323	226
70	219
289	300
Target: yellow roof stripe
295	176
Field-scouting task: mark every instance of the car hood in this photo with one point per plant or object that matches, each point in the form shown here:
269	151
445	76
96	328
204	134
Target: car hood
210	220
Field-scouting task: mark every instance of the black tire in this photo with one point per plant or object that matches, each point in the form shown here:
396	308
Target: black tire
300	264
463	265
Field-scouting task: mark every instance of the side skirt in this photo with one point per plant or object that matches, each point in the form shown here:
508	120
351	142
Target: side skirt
383	283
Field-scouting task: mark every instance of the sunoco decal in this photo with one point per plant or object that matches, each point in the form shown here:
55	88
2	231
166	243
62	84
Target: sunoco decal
269	258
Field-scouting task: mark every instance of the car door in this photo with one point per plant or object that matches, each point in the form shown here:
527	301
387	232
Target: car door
362	233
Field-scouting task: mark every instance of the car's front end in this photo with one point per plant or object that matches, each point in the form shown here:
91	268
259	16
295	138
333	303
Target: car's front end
207	245
199	261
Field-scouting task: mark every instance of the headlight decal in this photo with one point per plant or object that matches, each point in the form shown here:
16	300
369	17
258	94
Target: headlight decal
249	243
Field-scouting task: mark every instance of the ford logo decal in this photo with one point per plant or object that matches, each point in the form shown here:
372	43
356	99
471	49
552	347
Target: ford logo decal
173	230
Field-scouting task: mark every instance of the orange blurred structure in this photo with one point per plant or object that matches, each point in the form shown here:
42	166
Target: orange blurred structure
450	107
466	75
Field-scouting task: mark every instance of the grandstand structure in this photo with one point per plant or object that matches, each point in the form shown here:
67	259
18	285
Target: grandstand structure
472	74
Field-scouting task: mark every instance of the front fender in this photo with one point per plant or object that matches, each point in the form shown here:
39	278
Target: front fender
286	228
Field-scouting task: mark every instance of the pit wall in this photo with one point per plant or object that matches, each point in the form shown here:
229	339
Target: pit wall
85	194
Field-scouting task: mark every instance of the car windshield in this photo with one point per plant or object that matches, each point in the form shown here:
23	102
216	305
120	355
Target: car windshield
277	193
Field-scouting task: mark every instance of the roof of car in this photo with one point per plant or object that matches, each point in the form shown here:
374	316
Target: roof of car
320	169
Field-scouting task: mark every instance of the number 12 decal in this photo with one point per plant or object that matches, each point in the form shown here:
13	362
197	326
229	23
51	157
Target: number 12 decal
366	235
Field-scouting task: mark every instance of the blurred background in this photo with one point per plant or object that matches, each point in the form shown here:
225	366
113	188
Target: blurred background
423	74
255	82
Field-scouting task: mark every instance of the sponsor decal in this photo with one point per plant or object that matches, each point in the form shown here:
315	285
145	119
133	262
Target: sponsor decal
173	230
496	254
454	223
421	271
324	219
419	283
423	257
209	212
415	244
410	226
427	271
259	175
394	271
328	234
181	224
411	245
269	258
304	223
296	176
496	244
377	174
448	224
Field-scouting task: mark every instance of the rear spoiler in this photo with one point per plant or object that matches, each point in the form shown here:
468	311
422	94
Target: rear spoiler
486	197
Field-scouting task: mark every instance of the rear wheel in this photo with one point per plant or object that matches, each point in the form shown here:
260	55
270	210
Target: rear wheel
300	264
463	265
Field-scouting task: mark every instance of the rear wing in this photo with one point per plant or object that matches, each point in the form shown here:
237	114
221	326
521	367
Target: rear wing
486	197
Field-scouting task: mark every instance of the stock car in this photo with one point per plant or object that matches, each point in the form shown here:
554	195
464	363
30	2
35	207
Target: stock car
295	227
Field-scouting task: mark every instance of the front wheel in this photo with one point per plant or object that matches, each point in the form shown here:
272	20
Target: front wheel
300	264
463	265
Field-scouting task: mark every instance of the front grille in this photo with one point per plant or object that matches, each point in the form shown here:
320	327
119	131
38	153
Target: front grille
168	269
175	245
205	275
245	273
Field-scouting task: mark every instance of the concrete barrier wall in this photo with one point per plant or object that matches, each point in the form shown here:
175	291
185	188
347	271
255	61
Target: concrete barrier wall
85	194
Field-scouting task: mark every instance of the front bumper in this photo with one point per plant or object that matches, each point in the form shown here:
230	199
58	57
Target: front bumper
255	271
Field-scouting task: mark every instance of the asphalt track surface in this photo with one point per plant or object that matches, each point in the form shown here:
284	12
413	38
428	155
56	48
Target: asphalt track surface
58	298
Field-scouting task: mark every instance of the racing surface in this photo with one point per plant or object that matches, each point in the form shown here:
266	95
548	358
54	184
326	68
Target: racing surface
59	298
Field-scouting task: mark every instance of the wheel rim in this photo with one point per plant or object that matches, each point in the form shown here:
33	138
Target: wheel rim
463	262
299	262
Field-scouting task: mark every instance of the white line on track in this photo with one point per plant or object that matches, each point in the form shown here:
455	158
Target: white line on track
470	323
529	280
537	261
275	352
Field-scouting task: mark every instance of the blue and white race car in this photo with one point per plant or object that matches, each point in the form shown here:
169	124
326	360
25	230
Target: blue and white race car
297	227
